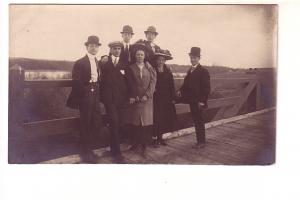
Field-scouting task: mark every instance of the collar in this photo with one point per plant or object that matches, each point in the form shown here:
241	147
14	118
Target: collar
194	66
124	43
91	57
113	58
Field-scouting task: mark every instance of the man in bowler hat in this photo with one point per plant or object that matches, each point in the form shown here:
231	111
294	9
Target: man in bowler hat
114	95
85	95
195	91
126	55
152	48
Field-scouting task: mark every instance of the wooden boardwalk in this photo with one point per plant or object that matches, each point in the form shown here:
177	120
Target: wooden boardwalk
247	141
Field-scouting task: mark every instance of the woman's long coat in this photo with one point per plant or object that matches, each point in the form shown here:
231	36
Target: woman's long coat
164	96
140	113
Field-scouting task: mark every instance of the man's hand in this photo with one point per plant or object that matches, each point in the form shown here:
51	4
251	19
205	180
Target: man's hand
200	104
104	59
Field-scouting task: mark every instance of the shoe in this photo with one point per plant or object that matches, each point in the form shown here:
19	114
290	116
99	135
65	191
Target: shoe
143	152
133	147
155	144
162	142
199	146
89	157
119	159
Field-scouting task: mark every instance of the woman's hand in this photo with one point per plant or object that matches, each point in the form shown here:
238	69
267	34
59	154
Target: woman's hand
131	100
144	98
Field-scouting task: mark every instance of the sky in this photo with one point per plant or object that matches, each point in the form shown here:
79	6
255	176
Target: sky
239	36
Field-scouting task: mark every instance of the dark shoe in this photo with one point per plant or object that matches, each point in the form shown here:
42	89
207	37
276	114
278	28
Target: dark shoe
119	159
89	157
162	142
143	152
199	146
133	147
155	144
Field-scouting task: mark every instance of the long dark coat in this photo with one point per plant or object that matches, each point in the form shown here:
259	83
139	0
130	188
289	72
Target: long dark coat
81	75
196	86
140	113
113	87
164	95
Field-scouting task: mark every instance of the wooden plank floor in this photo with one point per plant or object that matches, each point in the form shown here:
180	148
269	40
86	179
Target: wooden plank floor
249	141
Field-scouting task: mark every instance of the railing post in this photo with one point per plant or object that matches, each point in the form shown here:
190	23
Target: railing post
16	114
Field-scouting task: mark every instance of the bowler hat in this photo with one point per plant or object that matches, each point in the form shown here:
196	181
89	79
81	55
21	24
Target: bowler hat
115	43
151	29
164	53
195	51
127	29
92	40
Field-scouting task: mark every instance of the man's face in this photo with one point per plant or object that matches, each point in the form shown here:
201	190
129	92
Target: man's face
126	37
150	36
115	51
92	48
194	60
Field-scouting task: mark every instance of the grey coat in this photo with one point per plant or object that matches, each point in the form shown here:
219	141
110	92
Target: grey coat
140	113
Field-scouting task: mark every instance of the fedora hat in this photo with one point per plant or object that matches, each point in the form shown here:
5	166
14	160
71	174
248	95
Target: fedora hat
115	43
195	51
92	40
151	29
164	53
127	29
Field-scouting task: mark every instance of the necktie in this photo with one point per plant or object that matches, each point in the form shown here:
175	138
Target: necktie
126	51
115	62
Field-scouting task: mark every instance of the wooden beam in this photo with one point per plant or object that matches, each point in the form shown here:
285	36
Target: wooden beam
245	94
213	103
47	83
52	127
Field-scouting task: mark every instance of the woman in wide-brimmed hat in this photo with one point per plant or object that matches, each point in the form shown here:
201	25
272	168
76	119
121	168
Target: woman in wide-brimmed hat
141	79
164	97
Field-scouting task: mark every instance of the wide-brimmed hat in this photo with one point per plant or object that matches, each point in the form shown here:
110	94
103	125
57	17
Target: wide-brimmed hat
139	46
164	53
92	40
151	29
195	51
127	29
115	44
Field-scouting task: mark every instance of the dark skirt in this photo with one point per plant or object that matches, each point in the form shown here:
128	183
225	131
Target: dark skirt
164	117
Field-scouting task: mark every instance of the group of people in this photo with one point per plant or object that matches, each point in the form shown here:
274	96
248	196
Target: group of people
137	89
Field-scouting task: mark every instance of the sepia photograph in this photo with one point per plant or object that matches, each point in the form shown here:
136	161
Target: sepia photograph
142	84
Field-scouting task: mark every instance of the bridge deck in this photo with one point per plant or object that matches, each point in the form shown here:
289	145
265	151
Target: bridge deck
248	141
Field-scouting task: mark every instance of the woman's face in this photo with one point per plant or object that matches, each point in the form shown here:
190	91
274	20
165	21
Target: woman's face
160	61
140	56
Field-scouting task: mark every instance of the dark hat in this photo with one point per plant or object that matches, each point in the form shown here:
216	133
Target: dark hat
115	43
127	29
140	46
164	53
195	51
92	40
151	29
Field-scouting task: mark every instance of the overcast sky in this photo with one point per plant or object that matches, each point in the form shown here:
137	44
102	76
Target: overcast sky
233	35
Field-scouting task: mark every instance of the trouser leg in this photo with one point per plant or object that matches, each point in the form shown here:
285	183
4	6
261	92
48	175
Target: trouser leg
114	126
85	110
197	115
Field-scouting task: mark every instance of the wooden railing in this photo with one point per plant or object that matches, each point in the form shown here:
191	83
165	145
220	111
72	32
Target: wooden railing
228	106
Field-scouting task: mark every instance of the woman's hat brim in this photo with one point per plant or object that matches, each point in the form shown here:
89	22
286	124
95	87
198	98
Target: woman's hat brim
167	57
